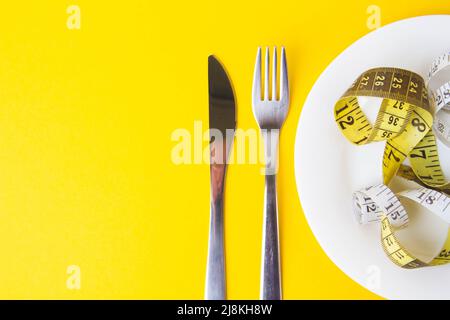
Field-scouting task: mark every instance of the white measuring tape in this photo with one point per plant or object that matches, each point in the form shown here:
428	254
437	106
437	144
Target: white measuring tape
380	204
441	96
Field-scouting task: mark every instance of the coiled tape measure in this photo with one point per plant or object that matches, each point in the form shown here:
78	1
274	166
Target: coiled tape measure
404	121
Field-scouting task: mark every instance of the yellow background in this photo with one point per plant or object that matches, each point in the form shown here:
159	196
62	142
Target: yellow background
86	118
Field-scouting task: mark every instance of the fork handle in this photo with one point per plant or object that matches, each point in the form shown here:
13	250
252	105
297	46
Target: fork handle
215	267
270	273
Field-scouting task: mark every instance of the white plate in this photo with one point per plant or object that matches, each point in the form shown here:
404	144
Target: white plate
329	169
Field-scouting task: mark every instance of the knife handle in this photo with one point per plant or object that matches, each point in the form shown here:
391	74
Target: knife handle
215	267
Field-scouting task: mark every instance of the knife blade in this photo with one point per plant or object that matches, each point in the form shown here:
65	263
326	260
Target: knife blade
222	122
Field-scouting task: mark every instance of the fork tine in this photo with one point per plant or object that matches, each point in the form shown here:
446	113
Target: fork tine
284	84
257	77
266	75
274	75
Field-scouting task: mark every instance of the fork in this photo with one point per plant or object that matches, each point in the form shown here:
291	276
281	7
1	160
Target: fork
270	113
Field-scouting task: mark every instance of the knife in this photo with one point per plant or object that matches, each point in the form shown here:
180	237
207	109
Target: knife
222	122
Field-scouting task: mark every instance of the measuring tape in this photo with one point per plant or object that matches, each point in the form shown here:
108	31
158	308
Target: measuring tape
441	97
379	203
404	121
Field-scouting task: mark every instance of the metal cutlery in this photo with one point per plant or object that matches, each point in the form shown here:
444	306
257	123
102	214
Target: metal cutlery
222	122
270	113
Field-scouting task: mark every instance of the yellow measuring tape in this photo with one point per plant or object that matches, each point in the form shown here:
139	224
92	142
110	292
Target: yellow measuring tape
404	121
